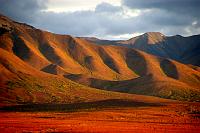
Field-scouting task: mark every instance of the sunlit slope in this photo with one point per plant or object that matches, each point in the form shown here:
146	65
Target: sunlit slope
38	53
21	83
41	49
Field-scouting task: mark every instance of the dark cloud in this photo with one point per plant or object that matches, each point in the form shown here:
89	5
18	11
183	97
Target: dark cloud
108	20
164	4
189	7
22	10
164	18
174	16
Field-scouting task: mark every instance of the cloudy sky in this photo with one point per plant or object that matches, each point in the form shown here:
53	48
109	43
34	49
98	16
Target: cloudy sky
107	19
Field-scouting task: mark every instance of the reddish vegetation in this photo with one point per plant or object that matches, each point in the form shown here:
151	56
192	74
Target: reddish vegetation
172	118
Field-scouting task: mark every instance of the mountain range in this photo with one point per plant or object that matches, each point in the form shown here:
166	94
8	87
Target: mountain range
182	49
40	66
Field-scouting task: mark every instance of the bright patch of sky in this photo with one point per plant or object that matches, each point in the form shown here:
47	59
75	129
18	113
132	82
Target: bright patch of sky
121	37
77	5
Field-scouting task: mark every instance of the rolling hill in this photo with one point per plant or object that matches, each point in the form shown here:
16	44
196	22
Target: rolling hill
39	66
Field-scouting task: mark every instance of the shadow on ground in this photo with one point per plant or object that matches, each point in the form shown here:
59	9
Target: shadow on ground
113	103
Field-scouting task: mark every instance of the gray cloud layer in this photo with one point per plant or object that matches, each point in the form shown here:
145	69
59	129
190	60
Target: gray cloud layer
191	7
22	10
167	16
106	7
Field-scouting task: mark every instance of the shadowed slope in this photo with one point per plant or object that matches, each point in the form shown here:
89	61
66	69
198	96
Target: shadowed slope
179	48
146	85
115	59
54	69
169	69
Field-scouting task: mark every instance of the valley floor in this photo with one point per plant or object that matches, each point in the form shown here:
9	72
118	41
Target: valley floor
174	117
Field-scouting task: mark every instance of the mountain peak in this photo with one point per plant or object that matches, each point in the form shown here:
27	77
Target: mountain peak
153	33
153	37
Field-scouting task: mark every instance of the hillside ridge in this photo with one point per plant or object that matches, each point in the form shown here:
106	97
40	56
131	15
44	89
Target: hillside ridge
129	70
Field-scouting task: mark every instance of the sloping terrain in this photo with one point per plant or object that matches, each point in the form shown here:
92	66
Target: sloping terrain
36	67
24	84
183	49
179	82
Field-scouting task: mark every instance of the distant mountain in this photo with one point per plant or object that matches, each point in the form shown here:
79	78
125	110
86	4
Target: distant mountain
39	66
183	49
